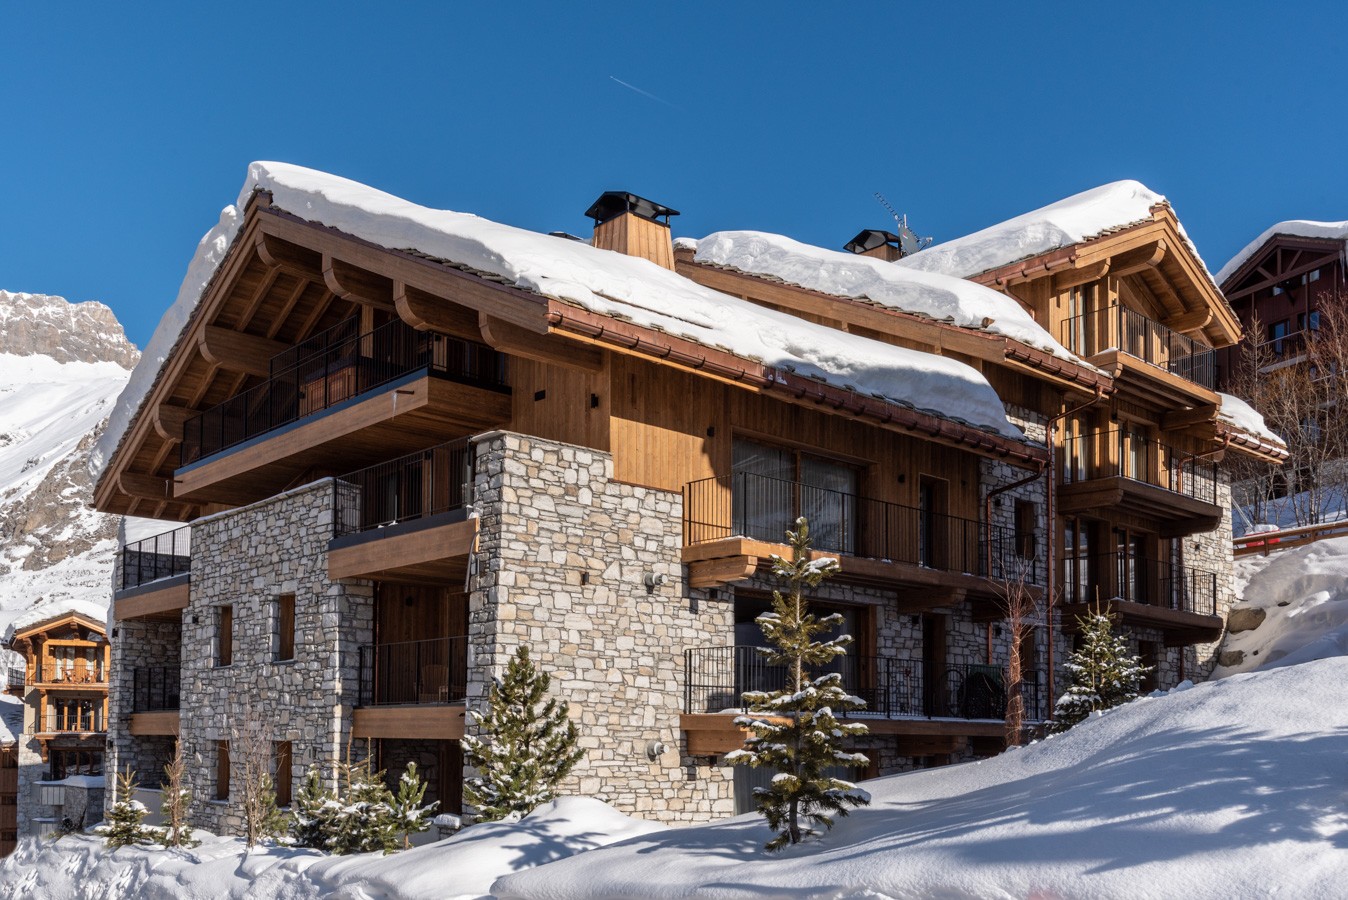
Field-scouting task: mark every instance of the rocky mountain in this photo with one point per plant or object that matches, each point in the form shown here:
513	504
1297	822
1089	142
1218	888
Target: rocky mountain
62	366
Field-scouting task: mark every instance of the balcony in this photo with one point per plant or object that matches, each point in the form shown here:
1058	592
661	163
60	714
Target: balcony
1176	599
413	689
903	697
72	673
733	523
338	399
406	519
154	578
1117	339
1133	473
16	679
155	698
85	718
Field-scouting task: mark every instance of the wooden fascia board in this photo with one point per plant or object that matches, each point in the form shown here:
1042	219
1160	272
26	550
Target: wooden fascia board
1251	446
141	427
1317	262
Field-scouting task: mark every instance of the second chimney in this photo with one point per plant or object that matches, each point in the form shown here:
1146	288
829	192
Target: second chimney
879	244
632	225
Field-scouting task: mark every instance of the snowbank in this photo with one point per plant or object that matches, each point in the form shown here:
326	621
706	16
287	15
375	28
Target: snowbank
600	281
1236	412
11	713
934	295
462	867
1293	608
1223	790
1061	224
47	611
1294	227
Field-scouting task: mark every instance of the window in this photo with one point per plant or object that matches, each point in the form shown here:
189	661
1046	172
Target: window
1027	518
281	772
224	655
283	628
1314	275
1314	320
1276	332
222	770
1077	561
773	486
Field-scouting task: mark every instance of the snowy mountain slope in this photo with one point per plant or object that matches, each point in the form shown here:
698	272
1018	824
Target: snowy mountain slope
62	366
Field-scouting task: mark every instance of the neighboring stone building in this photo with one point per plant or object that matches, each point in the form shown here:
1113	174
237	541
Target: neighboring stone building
410	441
62	682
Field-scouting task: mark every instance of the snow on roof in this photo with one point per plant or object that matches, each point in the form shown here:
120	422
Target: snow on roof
1293	227
1068	221
1214	791
931	294
600	281
11	718
1239	414
55	610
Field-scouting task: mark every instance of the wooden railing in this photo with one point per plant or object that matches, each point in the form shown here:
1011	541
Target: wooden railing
1265	542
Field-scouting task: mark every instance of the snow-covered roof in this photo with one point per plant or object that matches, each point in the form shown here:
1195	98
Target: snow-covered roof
931	294
49	612
600	281
1241	415
11	718
1293	227
1069	221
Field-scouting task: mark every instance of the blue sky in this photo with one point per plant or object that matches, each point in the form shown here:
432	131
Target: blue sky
126	129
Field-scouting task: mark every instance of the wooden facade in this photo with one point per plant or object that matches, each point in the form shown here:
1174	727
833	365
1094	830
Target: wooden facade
66	675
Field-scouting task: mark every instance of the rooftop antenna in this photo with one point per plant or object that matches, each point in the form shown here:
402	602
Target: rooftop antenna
909	242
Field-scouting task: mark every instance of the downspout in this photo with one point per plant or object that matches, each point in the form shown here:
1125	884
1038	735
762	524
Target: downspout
1051	542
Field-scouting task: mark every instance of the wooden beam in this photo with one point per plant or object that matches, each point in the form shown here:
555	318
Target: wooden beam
149	487
556	351
715	572
356	284
1080	275
234	351
169	420
385	554
1189	321
155	723
1186	418
927	599
1139	259
427	312
164	603
276	253
428	721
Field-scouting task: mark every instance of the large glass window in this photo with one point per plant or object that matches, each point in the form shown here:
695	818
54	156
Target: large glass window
773	486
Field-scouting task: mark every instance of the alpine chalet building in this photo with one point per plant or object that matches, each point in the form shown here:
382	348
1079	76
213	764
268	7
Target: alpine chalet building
406	441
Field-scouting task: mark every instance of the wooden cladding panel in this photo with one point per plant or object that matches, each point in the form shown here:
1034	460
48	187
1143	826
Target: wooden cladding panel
418	613
670	428
573	406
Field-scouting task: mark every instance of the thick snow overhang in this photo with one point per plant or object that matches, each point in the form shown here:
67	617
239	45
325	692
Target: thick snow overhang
55	615
1244	429
1251	270
1122	227
378	249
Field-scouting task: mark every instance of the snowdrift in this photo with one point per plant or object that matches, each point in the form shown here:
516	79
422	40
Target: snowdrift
1227	789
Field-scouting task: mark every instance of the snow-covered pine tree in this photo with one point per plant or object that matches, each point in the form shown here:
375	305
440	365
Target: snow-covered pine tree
529	744
363	820
795	729
312	813
409	816
124	825
1104	673
176	801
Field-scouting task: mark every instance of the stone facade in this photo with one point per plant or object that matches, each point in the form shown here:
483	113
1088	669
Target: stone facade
246	558
564	558
139	646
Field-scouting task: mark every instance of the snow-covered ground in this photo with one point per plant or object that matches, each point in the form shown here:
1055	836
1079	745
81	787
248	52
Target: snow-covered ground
462	867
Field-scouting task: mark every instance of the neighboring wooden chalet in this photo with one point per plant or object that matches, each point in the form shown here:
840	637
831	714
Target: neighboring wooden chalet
408	441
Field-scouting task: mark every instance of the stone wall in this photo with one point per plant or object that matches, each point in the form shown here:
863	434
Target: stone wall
562	565
248	557
138	644
1212	551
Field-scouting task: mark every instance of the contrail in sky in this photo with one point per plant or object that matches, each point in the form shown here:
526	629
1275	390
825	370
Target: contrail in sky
632	87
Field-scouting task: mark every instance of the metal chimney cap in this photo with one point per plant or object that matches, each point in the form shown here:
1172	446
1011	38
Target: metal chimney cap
869	239
612	204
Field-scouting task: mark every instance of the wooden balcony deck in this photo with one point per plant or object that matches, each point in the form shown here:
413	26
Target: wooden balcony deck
162	600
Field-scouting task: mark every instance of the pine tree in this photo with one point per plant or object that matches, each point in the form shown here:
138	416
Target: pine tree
176	802
409	816
125	825
313	812
1104	673
803	737
362	821
527	750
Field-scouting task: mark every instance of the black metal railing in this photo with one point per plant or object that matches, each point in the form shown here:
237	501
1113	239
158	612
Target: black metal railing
763	508
1117	327
1119	452
426	483
1122	576
162	556
83	716
155	688
717	677
16	678
412	672
336	370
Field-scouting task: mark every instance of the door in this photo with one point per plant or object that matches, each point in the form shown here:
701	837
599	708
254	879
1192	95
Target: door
934	652
933	521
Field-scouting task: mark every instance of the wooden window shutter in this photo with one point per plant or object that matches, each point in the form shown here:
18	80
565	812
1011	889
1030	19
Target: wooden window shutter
285	627
282	777
222	770
226	636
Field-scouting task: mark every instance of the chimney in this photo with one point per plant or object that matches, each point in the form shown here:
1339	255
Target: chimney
631	224
879	244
